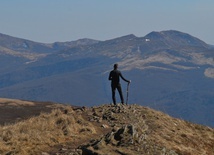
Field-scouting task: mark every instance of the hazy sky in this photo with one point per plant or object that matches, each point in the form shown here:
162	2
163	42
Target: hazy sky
67	20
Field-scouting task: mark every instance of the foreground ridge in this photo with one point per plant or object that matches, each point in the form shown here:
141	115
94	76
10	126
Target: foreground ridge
105	129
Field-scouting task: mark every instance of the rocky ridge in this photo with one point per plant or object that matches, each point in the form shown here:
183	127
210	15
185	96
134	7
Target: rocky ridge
140	130
105	129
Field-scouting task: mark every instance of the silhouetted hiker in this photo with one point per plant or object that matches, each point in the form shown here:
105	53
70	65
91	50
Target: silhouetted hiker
114	76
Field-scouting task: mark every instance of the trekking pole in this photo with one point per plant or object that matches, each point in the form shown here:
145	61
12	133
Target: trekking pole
127	93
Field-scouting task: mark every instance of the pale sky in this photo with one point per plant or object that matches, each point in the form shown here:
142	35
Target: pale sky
49	21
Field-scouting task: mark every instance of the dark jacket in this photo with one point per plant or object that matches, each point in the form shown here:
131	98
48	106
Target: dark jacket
114	76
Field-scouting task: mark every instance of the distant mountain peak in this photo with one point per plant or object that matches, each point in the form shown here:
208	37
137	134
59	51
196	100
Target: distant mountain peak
173	37
126	37
153	35
165	33
70	44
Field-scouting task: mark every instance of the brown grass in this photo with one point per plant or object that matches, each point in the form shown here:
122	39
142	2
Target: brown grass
64	127
15	102
158	132
38	133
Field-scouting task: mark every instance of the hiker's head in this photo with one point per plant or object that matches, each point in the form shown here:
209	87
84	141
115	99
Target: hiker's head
115	66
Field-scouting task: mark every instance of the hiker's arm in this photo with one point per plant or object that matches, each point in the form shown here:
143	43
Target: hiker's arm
110	77
124	78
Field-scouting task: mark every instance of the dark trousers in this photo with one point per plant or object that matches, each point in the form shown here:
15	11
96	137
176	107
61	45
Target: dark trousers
118	87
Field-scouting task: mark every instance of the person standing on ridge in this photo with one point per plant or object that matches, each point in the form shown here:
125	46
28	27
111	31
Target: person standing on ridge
114	76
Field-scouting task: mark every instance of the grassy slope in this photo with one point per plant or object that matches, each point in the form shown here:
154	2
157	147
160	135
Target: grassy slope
87	128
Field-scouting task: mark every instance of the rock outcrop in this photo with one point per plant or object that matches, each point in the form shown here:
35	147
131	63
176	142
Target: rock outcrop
103	130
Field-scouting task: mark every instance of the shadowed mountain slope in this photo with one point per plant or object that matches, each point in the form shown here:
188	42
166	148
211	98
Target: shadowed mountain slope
170	71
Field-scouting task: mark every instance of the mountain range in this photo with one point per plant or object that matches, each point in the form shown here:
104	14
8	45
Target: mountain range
170	71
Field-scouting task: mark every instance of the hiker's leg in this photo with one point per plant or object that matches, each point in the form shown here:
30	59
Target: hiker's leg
113	88
121	93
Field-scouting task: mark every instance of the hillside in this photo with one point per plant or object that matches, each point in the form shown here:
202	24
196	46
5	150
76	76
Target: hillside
104	129
13	110
171	71
16	52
